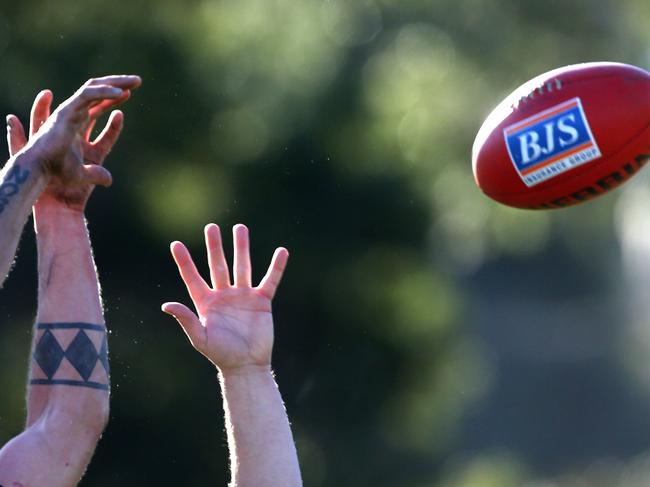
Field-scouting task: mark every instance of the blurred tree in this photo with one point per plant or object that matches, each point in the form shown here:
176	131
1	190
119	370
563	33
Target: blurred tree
342	130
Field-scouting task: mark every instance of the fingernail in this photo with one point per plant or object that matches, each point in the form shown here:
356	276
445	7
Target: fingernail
9	121
117	91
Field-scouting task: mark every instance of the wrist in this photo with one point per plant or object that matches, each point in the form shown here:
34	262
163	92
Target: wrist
249	370
53	217
53	208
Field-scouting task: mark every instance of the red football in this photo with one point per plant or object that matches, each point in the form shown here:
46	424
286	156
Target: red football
565	137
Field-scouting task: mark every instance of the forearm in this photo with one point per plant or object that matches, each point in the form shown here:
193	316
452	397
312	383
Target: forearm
261	445
68	392
68	288
21	182
69	367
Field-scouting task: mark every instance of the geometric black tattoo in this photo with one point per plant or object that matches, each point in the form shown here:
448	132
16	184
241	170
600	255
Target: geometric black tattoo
13	180
72	354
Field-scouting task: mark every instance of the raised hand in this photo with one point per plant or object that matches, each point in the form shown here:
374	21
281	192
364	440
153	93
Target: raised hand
233	324
61	140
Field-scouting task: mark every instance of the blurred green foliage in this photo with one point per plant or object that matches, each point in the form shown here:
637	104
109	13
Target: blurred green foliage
343	130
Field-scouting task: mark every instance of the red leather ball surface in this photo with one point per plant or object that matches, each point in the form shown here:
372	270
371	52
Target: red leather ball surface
565	137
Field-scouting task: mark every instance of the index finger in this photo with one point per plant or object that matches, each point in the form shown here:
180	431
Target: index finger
124	81
273	276
89	95
196	286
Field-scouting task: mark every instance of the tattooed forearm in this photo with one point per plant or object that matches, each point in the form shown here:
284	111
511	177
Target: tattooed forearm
14	179
73	354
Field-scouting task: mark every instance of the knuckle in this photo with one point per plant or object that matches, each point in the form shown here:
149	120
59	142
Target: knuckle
84	92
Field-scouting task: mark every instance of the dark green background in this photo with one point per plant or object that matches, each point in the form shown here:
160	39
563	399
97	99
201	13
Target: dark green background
425	336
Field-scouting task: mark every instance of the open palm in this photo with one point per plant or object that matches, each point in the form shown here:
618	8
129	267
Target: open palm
233	324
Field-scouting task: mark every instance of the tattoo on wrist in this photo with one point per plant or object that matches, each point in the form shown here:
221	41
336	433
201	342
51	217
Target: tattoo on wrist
14	179
71	354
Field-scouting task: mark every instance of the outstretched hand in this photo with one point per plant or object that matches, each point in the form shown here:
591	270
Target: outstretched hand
233	324
61	140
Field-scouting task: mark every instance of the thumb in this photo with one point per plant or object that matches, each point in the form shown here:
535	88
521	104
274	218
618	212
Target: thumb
95	174
16	138
188	321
